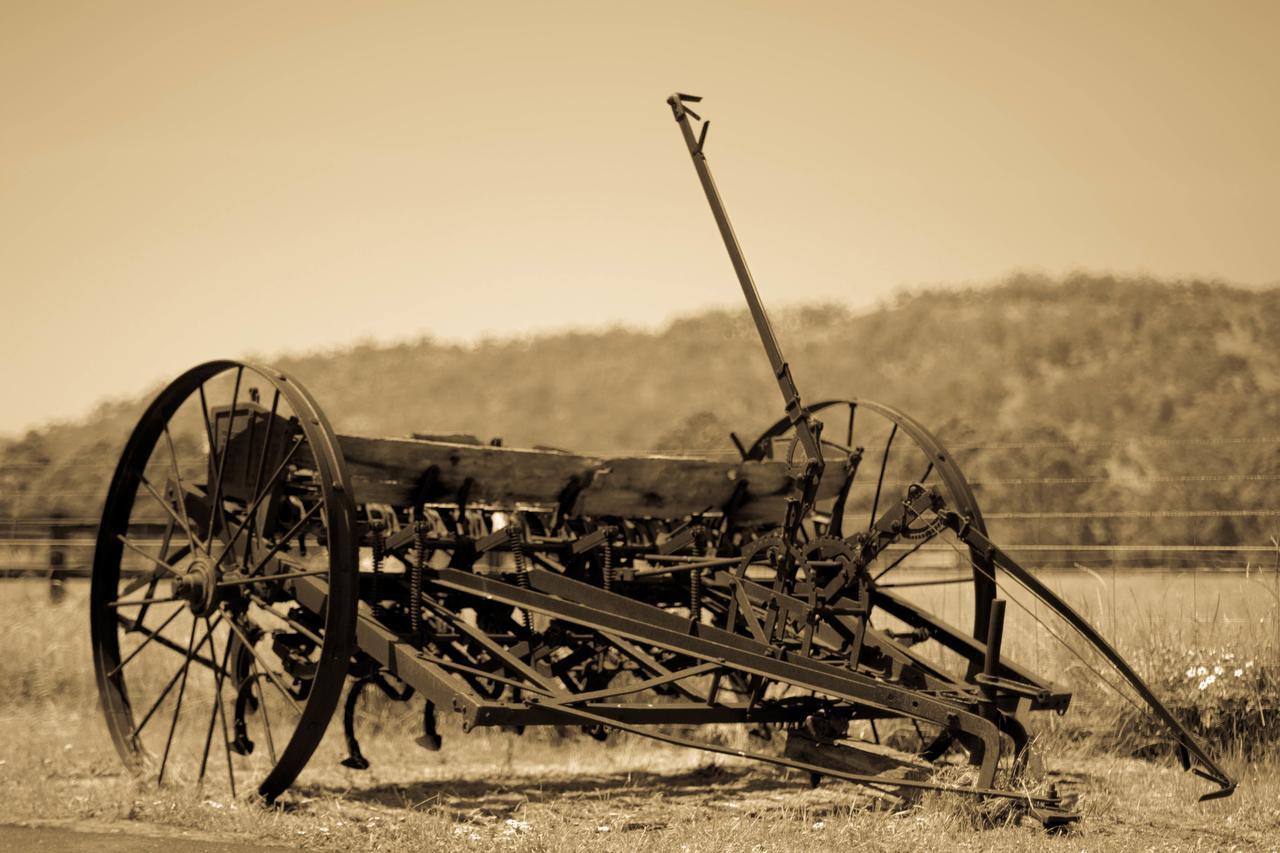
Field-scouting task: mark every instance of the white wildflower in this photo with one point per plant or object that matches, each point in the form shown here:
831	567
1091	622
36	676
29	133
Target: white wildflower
1239	672
1191	673
819	824
1217	670
1201	671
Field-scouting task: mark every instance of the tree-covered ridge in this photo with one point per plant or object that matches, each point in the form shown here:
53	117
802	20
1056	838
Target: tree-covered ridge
1075	367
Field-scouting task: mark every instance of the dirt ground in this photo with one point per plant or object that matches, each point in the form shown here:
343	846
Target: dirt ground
484	791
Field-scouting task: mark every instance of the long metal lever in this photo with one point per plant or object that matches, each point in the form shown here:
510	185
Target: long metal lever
808	430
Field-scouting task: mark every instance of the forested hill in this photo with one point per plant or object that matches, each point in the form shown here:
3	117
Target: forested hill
1077	366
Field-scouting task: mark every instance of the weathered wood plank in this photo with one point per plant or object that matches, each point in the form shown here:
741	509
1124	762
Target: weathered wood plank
389	470
669	487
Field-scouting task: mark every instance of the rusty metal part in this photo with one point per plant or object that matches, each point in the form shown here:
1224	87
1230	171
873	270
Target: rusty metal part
518	587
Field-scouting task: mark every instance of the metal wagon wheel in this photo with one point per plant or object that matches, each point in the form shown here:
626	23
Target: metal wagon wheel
217	516
893	451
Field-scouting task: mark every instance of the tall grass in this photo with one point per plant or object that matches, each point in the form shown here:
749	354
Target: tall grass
45	655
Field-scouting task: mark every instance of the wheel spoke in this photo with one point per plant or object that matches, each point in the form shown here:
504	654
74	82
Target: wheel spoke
216	712
182	521
935	582
208	431
853	411
266	718
177	705
137	730
920	544
150	635
300	628
141	553
177	481
262	462
152	576
136	625
273	578
270	674
142	601
222	457
286	539
257	501
884	463
213	716
226	741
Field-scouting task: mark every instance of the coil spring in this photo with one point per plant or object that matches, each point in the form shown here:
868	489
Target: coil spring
415	579
379	583
695	576
607	565
695	595
522	569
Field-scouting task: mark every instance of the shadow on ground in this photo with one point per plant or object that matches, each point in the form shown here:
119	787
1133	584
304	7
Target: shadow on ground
504	795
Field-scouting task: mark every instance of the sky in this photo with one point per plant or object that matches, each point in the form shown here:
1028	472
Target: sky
184	181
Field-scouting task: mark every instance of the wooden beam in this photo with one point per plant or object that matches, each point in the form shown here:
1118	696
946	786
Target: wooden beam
388	470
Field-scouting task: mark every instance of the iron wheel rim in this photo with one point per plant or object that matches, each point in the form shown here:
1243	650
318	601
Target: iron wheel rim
330	519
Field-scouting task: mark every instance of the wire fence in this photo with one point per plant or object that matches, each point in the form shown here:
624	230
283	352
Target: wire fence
1189	578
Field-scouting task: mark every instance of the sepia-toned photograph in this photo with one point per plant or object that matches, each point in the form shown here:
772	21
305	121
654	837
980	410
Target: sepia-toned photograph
740	425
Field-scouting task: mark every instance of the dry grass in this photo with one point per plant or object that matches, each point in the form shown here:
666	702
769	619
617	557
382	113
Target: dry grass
491	790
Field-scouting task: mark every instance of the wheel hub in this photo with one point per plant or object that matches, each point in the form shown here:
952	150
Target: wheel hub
198	587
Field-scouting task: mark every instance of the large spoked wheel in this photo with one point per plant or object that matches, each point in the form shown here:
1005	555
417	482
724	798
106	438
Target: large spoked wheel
927	567
224	587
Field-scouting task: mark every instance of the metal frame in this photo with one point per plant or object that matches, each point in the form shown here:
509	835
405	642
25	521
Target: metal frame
518	613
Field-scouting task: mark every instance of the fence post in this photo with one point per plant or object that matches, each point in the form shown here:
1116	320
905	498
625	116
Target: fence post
57	558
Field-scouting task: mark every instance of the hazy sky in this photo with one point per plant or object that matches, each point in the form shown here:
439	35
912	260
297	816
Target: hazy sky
180	181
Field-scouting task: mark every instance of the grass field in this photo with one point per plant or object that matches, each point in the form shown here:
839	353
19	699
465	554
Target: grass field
491	789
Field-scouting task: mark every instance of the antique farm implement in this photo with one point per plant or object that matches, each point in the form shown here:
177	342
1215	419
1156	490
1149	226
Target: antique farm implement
517	587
